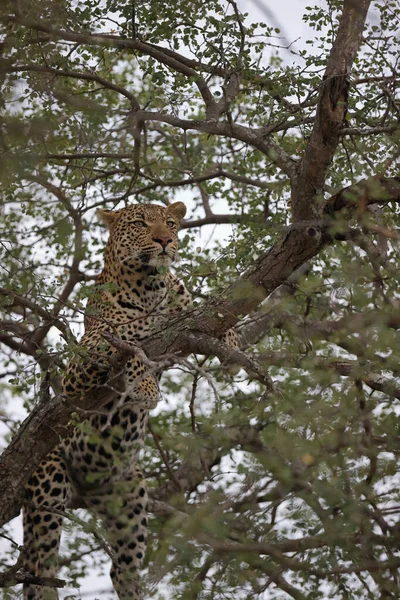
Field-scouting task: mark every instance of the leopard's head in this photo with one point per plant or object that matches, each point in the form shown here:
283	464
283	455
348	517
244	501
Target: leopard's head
145	233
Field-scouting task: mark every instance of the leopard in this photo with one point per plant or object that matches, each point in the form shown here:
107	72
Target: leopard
100	463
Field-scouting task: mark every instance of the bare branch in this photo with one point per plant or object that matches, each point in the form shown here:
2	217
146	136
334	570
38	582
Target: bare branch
75	75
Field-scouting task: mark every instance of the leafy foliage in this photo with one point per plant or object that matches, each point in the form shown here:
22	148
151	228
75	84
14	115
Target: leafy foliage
256	492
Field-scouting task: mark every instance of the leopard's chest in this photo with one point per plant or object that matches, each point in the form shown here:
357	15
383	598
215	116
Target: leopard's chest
137	318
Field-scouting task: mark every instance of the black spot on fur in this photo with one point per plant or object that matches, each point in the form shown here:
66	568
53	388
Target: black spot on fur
115	420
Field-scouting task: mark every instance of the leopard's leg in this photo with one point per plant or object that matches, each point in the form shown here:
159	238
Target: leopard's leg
49	486
122	508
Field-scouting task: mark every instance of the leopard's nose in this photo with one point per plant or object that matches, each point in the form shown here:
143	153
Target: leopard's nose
164	241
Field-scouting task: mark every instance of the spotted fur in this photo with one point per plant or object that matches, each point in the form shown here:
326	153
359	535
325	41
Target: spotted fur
98	462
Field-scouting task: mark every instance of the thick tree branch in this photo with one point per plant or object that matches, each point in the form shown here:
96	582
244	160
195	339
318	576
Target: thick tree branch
307	189
375	190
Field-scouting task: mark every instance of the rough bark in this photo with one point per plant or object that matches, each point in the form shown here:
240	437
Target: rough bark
308	185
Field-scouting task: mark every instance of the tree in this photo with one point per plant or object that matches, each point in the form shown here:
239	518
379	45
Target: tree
279	481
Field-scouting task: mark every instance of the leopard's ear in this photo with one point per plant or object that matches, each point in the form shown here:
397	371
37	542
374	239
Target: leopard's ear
109	217
178	209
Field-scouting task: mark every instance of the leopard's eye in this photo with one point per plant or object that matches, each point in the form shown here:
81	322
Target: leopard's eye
139	223
171	223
